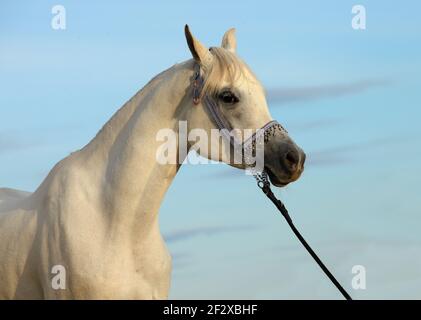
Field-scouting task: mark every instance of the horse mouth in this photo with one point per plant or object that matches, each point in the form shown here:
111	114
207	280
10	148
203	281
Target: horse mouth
275	180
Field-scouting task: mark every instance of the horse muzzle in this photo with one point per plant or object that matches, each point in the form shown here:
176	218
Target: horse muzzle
284	160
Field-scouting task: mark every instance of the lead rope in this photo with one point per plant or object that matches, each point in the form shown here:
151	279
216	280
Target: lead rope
262	179
264	184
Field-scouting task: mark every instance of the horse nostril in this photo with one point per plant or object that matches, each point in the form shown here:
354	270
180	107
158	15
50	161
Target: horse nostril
291	159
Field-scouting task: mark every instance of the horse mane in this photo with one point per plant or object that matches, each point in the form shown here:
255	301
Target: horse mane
225	66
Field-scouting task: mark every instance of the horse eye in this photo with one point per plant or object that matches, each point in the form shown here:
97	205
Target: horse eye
228	97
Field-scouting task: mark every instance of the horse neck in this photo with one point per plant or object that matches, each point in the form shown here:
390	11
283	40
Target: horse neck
122	157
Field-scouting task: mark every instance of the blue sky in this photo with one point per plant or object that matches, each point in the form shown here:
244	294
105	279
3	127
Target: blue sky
350	98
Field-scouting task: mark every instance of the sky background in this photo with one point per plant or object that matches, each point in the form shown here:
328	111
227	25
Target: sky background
350	98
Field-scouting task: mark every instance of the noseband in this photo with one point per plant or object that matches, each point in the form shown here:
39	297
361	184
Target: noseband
262	179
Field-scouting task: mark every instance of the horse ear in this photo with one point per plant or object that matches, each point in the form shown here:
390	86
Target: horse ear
228	41
200	53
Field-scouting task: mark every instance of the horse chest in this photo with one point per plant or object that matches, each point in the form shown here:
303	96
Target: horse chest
131	273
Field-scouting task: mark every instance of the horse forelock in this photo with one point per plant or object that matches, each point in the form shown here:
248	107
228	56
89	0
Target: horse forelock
226	66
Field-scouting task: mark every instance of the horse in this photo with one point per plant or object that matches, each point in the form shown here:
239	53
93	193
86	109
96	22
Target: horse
95	215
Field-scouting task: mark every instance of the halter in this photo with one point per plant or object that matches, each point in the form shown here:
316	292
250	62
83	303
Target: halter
223	124
261	177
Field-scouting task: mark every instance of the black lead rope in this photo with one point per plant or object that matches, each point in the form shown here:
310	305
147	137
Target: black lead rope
262	180
265	186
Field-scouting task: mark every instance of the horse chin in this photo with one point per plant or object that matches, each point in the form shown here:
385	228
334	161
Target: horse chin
275	180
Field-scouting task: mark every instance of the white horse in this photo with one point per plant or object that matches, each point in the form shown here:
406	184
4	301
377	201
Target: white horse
96	213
